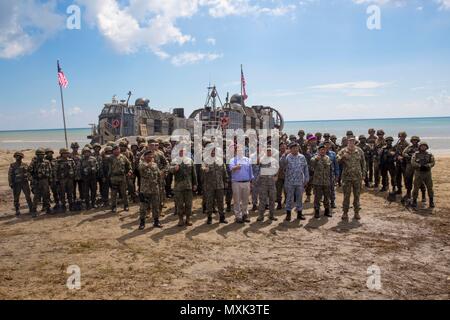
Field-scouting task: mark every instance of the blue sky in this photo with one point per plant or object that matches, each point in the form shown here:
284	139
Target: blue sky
311	59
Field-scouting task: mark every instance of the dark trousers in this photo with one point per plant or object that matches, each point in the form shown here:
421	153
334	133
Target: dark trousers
17	189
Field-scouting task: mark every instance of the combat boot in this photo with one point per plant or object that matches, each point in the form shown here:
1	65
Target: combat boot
33	213
180	222
228	207
424	198
255	207
142	224
209	219
222	219
245	218
345	216
432	202
288	216
300	215
383	189
328	212
188	221
260	218
414	203
113	210
357	216
333	205
157	224
399	191
279	206
48	210
316	213
126	208
272	218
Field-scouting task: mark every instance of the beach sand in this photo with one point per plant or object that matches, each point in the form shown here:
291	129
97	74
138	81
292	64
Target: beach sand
314	259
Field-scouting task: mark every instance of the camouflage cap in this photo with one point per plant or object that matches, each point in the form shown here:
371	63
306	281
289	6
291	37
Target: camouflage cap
48	150
97	145
402	134
63	151
349	133
389	139
40	151
142	145
114	147
151	140
415	138
424	143
18	154
75	145
380	132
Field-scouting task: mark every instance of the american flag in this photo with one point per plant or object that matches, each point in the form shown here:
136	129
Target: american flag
243	83
62	80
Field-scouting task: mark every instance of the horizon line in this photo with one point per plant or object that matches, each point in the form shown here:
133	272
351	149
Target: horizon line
290	121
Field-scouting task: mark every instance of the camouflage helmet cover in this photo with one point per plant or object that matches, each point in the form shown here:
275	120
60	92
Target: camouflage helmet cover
40	151
63	151
389	139
423	143
402	134
18	154
415	138
75	145
48	150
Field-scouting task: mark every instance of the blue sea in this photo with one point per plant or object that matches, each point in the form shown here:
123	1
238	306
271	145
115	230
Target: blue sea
436	131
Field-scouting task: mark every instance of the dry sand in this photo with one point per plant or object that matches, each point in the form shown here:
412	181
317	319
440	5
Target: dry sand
315	259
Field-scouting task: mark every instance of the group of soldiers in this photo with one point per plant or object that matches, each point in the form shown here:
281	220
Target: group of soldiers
145	173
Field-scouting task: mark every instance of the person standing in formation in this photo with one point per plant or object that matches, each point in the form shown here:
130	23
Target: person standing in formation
18	180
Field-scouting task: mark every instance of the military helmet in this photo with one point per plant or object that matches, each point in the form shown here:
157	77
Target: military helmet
424	143
114	147
402	134
74	145
351	137
48	150
63	151
40	151
292	137
389	139
416	138
362	137
380	132
140	139
326	135
333	137
151	141
142	145
108	149
86	149
318	134
349	133
123	144
18	154
301	132
97	145
371	131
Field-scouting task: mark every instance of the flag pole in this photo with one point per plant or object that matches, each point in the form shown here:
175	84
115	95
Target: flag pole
242	97
64	115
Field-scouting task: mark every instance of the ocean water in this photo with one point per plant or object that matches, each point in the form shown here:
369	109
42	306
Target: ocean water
436	131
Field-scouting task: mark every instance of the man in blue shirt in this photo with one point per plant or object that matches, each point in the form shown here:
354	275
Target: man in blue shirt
296	179
241	177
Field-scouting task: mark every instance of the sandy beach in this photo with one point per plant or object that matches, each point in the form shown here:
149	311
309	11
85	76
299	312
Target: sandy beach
314	259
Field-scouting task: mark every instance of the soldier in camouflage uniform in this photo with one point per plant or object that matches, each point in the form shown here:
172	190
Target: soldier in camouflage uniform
400	164
185	177
118	169
77	182
268	172
149	189
371	139
387	165
327	139
379	144
409	171
354	167
322	167
53	186
18	180
123	145
281	178
422	162
41	174
334	173
163	166
215	177
106	180
302	142
368	154
98	156
65	172
88	171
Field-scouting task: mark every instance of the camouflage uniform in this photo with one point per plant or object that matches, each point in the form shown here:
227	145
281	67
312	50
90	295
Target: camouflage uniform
280	182
118	169
368	155
423	162
322	167
53	184
379	144
65	173
88	172
255	186
354	166
215	178
409	170
163	166
268	171
400	164
150	177
18	180
185	179
77	182
106	179
98	156
41	173
387	164
130	179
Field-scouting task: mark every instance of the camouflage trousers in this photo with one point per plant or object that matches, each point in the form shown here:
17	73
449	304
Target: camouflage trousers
183	202
149	202
409	180
131	186
319	193
280	190
376	172
423	178
349	186
55	192
385	170
309	186
89	191
119	186
214	197
400	175
79	185
41	190
267	194
65	188
17	189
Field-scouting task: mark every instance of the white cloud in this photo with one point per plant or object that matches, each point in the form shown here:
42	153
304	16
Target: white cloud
26	25
50	111
397	3
223	8
444	4
75	111
351	85
211	41
193	57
